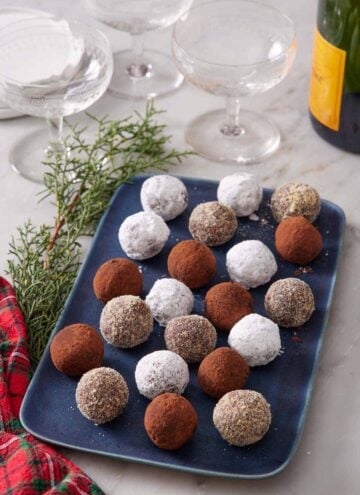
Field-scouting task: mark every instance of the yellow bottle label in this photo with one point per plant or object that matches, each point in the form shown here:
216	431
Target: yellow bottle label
326	84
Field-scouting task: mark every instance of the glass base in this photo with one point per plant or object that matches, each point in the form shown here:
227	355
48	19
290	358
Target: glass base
255	139
156	76
28	155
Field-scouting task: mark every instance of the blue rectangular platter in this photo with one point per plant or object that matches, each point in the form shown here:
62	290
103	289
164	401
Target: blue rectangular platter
49	410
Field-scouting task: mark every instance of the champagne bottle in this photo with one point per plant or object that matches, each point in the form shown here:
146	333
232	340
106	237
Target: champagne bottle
334	98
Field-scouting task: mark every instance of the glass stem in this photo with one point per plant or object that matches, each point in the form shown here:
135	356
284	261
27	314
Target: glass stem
55	127
138	68
232	126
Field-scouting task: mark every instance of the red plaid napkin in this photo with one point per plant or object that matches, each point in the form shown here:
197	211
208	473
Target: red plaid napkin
27	466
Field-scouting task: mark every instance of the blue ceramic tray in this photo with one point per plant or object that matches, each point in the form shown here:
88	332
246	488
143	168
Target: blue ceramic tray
49	410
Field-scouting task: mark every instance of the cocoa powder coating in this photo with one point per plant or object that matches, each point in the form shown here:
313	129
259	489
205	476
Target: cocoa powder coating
117	277
192	337
192	262
77	349
221	371
170	421
226	304
297	240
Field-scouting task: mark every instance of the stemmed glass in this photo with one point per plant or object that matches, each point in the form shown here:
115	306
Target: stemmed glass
50	68
140	73
234	48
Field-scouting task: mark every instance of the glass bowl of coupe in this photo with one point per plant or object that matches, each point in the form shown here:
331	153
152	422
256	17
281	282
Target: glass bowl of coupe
50	68
234	48
140	73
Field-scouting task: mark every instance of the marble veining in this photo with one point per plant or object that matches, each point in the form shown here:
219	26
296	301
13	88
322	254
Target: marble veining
328	456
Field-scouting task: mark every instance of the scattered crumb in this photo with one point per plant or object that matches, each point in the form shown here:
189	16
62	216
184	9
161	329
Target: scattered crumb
254	217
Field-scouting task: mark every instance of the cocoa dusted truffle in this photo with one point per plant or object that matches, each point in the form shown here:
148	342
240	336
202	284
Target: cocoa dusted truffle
212	223
170	421
101	395
227	303
221	371
242	417
76	349
192	262
117	277
295	199
126	321
289	302
297	240
192	337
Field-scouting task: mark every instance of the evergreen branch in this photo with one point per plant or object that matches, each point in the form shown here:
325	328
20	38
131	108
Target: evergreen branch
44	261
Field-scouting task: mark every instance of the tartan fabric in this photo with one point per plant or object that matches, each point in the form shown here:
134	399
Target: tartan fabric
27	466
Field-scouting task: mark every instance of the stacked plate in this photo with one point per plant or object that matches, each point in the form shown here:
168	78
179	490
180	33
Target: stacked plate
8	15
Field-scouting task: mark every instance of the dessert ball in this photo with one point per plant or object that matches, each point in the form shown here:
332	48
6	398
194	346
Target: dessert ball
160	372
193	263
242	417
164	195
250	263
143	235
117	277
242	192
76	349
101	395
297	240
169	298
212	223
221	371
170	421
126	321
227	303
295	199
192	337
289	302
256	339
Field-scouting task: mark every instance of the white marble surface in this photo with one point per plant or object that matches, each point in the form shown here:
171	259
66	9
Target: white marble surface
328	456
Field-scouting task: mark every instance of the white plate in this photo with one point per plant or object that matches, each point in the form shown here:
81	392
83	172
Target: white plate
8	15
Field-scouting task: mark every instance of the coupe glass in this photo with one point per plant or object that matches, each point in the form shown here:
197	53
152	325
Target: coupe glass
50	68
234	48
140	73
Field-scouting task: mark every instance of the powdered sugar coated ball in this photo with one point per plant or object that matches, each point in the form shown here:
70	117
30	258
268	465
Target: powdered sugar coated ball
161	372
250	263
169	298
143	235
242	192
256	338
164	195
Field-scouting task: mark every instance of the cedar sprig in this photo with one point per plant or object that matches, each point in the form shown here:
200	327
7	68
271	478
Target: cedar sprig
44	261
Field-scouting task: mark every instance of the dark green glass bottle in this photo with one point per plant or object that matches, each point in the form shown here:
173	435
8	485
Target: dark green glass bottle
335	79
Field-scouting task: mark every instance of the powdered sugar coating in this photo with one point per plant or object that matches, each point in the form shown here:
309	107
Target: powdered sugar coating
168	299
256	339
143	235
160	372
250	263
242	192
164	195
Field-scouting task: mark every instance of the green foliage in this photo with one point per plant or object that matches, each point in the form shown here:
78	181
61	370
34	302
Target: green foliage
44	260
